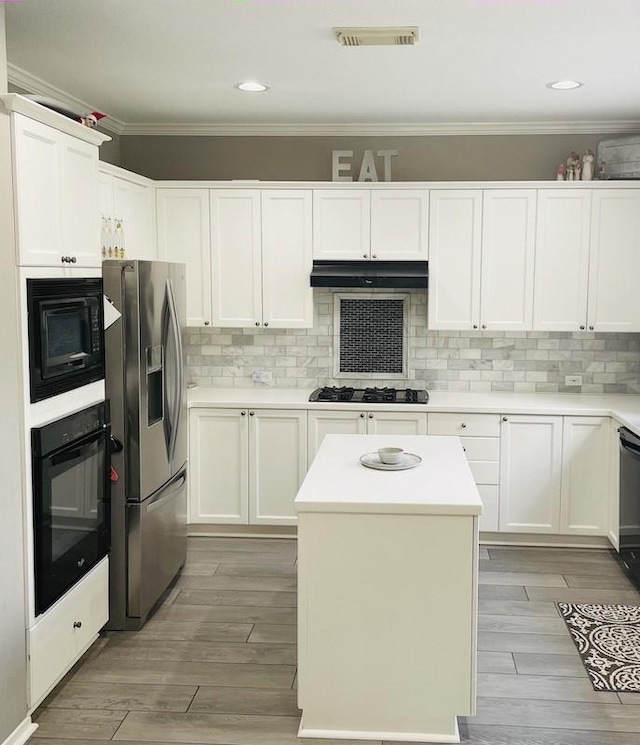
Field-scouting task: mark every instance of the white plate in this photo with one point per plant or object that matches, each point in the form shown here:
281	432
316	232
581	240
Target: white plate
372	460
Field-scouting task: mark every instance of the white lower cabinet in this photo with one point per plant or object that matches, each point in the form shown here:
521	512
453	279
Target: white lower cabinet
530	474
613	511
480	437
323	423
63	633
585	475
246	465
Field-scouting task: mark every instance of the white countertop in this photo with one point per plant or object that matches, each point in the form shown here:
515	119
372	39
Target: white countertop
625	409
441	484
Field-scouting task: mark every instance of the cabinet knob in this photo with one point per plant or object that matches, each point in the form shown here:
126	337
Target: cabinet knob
243	413
257	323
463	425
581	328
591	328
464	448
364	256
252	413
77	624
266	323
73	259
504	419
484	325
475	325
361	416
206	323
374	256
370	416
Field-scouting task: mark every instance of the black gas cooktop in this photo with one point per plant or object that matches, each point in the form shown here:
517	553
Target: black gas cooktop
345	394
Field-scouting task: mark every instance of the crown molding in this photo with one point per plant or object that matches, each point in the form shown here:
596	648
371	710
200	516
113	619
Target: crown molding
30	82
385	129
23	79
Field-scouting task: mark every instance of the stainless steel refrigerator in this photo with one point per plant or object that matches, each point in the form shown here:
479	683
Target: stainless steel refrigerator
145	384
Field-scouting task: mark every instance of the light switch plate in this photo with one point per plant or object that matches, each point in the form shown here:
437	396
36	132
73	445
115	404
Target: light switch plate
262	376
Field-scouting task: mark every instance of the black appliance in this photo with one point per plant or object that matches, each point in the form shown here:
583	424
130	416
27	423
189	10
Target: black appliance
66	334
71	517
346	394
630	503
370	274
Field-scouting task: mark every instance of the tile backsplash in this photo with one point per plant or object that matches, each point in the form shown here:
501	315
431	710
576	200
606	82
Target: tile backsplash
531	361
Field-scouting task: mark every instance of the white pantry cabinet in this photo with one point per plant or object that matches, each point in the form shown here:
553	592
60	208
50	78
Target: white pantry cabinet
246	465
481	253
261	258
184	235
586	477
530	474
370	224
399	423
614	261
130	198
56	193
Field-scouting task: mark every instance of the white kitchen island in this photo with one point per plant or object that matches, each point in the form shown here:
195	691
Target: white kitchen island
387	604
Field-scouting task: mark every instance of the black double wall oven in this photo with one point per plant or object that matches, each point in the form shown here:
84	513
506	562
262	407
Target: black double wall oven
66	334
71	516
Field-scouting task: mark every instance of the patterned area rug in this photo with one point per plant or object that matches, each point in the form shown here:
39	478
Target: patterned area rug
608	640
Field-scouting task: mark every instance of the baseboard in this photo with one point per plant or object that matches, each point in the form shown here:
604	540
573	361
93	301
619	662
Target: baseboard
243	531
335	734
21	733
545	540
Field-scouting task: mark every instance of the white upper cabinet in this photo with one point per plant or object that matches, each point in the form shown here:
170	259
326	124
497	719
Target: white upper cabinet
481	252
261	258
455	233
341	224
370	224
56	184
236	258
562	260
184	235
508	244
287	297
134	205
399	224
614	262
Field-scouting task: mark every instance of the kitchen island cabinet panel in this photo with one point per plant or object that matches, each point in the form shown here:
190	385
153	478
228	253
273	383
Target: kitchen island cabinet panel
585	475
184	235
530	474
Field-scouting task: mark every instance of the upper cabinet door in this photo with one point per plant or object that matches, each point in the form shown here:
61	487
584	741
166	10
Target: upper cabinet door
455	232
562	260
80	209
38	175
134	205
287	297
614	262
184	235
341	224
236	264
508	243
105	193
399	224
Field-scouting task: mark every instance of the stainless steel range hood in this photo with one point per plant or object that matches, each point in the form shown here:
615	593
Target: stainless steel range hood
370	274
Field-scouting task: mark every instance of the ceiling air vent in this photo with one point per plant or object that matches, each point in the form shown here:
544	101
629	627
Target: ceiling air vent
377	36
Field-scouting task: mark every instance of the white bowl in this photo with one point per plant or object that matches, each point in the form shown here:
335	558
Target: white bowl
390	456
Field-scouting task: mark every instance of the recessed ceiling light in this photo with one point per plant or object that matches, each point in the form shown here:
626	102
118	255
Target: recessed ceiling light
564	85
252	86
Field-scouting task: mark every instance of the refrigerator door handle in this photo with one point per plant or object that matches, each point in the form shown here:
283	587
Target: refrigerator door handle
178	392
168	413
164	496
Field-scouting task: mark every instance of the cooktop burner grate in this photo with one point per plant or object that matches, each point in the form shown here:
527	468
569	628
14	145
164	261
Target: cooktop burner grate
346	394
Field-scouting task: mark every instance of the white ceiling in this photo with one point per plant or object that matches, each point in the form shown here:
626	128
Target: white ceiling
480	65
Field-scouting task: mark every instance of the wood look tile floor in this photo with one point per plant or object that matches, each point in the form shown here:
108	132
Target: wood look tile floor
216	664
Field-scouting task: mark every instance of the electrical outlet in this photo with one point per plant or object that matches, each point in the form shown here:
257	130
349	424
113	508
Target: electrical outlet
262	376
572	380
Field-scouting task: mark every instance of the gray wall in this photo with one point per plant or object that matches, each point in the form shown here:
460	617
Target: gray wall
513	157
13	661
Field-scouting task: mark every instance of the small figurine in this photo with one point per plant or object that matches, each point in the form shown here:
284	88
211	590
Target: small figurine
602	170
91	120
561	172
573	166
587	165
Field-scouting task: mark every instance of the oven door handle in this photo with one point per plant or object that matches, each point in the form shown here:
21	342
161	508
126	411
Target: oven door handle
630	448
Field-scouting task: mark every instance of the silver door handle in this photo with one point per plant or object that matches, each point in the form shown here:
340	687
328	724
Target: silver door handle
177	394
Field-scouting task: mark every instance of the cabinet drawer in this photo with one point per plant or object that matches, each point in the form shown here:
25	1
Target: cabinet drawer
484	472
489	496
54	643
467	425
481	448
